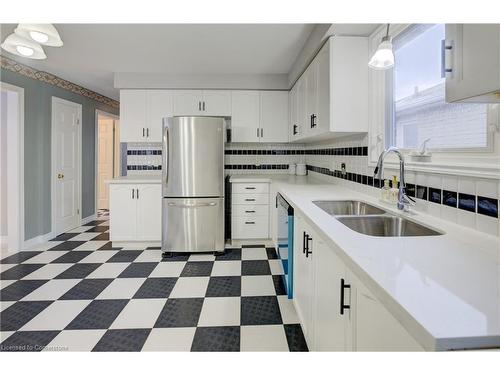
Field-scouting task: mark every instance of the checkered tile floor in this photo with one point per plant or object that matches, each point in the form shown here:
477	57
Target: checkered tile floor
78	293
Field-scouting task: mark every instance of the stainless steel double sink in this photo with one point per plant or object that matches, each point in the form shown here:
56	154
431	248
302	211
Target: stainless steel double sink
373	221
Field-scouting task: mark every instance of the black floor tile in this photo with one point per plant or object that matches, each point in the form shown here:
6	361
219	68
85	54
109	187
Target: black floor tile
153	248
99	228
99	314
27	341
295	338
65	236
216	339
271	253
224	286
279	285
255	267
72	257
176	257
101	237
125	256
68	245
87	289
78	271
95	223
230	254
122	340
19	257
141	269
197	269
20	313
253	246
19	271
260	310
180	312
20	289
156	287
109	246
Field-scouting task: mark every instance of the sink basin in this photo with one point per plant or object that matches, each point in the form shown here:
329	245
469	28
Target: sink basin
348	208
387	226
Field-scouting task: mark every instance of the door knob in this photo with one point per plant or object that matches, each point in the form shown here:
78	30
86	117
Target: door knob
60	176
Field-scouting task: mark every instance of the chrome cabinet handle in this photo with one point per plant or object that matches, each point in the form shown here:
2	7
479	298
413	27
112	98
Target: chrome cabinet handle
133	191
203	105
147	132
262	132
191	205
444	66
143	130
137	193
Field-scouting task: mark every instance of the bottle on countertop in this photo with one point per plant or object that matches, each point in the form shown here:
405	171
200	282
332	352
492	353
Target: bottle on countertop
393	195
385	192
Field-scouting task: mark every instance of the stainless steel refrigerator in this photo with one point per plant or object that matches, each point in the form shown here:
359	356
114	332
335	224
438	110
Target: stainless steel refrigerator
193	184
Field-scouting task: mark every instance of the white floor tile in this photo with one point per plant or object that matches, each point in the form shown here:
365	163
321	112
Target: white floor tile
276	267
91	245
168	269
227	268
5	304
263	338
149	256
51	290
190	287
99	256
288	313
253	254
201	257
6	283
170	339
139	313
49	271
56	316
121	288
45	246
85	236
5	334
77	340
108	271
81	229
45	257
220	311
257	286
5	267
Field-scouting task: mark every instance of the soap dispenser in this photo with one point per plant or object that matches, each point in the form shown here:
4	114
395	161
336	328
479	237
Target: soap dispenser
385	192
394	192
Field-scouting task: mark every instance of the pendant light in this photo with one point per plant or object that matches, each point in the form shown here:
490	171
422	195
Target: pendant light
383	58
23	47
43	33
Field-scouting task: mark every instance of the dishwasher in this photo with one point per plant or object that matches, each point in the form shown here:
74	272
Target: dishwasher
285	241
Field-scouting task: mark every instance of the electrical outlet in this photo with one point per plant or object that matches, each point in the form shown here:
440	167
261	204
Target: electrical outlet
343	169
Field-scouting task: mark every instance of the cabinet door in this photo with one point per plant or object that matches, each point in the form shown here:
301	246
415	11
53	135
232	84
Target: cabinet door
303	120
149	212
216	103
188	102
274	116
294	129
159	104
132	115
322	119
311	82
245	108
122	212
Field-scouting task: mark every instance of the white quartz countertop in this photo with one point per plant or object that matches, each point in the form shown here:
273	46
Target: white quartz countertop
146	179
445	290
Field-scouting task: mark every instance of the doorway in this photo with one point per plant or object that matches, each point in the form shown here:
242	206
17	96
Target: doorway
108	161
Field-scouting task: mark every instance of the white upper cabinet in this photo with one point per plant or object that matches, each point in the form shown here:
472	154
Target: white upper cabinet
188	102
202	102
472	61
294	129
216	103
274	116
245	112
133	115
159	104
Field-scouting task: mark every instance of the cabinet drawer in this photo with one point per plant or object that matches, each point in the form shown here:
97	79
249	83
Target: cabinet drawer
244	188
250	210
252	198
250	227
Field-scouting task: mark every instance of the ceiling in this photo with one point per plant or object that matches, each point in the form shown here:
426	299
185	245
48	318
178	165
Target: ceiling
92	53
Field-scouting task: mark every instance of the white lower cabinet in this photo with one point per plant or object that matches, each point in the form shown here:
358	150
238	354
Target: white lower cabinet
135	212
249	210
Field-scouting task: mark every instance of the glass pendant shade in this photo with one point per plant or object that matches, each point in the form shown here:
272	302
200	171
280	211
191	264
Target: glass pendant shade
23	47
43	33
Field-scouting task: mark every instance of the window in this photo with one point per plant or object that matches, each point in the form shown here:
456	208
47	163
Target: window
419	110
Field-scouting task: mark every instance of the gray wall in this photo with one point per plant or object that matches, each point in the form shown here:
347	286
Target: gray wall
3	164
37	153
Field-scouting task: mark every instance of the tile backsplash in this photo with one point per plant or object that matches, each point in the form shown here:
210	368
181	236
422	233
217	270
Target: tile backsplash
141	158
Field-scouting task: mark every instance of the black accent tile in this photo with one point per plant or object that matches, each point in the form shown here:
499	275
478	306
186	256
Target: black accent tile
98	228
109	246
197	269
434	195
230	254
142	269
20	313
19	257
487	206
467	202
295	338
216	339
156	287
271	253
224	286
260	310
87	289
64	237
410	190
99	314
279	285
122	340
72	257
125	256
180	312
365	151
450	198
421	192
68	245
20	289
19	271
176	257
101	237
255	267
28	341
78	271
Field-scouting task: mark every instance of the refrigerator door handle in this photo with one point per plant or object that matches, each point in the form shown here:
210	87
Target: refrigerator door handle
189	205
165	156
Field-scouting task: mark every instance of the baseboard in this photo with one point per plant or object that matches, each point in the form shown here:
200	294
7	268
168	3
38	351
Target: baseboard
88	219
38	240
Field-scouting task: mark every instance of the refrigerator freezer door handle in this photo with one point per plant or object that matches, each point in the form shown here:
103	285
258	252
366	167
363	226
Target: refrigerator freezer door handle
165	155
189	205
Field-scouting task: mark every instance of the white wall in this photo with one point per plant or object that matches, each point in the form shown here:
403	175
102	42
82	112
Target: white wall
3	164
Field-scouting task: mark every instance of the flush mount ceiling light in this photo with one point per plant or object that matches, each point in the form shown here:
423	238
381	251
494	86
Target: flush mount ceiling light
23	47
383	58
43	33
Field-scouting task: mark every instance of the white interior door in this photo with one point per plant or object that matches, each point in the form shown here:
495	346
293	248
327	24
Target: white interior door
105	160
66	141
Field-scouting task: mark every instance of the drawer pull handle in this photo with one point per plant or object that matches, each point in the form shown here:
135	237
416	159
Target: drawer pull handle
250	211
343	287
249	222
250	188
250	200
